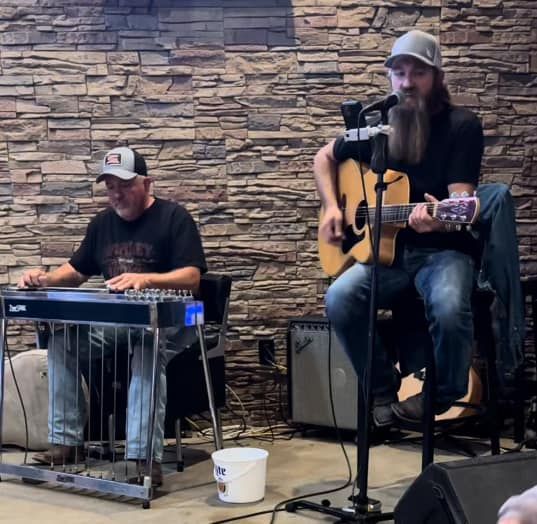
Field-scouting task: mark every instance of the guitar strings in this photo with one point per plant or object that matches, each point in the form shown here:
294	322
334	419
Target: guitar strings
400	212
391	211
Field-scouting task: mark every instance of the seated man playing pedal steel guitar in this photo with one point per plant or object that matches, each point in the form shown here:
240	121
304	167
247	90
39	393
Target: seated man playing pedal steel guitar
138	242
439	146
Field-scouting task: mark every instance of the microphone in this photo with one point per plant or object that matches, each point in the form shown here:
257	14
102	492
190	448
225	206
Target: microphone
369	126
350	110
386	103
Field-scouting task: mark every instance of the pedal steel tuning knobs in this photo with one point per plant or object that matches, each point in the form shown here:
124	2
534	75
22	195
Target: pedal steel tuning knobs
156	295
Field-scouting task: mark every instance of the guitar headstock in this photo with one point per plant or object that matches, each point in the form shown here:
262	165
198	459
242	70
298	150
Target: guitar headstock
464	210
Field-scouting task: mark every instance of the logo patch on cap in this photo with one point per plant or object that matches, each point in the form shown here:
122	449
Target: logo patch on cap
113	159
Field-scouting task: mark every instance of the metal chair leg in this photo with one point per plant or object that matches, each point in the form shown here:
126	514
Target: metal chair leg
492	407
429	396
210	392
180	462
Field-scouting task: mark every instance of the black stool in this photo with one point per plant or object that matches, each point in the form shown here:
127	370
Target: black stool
483	335
529	292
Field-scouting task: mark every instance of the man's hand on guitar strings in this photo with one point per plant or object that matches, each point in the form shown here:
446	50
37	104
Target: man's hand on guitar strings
421	221
330	229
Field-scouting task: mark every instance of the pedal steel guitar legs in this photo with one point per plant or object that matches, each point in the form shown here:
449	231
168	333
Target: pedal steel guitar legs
139	325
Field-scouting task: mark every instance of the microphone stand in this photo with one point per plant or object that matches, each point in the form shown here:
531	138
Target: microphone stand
364	509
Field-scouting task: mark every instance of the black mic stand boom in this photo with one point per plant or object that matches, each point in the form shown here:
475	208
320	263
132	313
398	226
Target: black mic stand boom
363	508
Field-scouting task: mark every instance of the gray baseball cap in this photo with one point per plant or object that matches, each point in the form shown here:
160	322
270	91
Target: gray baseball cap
124	163
418	44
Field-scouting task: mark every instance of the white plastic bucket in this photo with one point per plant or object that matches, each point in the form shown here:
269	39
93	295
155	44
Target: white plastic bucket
240	474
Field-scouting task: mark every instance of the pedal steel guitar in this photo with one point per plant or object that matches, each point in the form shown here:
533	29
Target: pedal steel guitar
144	309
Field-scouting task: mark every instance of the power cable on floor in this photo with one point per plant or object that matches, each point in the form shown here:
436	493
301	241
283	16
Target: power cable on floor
349	481
278	507
26	434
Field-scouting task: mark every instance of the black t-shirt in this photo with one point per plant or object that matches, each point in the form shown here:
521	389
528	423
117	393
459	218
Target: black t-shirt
453	155
164	238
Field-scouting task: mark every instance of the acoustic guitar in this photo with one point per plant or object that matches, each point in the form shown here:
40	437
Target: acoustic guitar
357	215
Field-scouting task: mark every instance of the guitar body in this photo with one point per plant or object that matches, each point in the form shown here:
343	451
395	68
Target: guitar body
357	201
357	243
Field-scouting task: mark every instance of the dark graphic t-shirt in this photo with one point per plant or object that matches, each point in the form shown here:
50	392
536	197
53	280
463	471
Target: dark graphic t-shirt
453	155
164	238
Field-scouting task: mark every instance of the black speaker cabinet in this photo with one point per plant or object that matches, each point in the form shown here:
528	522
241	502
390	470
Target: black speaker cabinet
307	358
466	491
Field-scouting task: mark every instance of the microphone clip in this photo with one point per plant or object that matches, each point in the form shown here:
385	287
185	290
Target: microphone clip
365	133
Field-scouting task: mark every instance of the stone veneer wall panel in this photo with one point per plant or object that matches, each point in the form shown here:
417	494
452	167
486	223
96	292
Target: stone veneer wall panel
229	100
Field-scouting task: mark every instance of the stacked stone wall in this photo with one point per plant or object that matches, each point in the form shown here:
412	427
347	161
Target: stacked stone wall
229	100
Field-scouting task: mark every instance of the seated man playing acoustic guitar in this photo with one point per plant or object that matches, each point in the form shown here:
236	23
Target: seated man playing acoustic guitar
439	147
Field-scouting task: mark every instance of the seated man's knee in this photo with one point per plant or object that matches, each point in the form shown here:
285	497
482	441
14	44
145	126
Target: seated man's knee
345	316
451	315
332	300
341	299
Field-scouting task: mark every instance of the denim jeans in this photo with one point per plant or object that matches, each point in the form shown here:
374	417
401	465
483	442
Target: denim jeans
444	279
69	352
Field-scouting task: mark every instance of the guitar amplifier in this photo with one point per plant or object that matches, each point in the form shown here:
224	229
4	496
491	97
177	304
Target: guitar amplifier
308	340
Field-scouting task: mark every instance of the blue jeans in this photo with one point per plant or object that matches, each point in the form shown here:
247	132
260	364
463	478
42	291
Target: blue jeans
69	353
444	279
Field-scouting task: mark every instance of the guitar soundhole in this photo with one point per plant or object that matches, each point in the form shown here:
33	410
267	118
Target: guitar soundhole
351	238
360	218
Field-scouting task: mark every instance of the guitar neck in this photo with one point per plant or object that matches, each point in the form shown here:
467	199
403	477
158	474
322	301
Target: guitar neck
399	212
456	210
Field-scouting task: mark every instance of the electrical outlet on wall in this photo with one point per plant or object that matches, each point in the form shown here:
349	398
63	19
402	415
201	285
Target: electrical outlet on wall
267	351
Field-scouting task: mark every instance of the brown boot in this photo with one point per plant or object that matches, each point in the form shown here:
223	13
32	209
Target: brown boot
59	455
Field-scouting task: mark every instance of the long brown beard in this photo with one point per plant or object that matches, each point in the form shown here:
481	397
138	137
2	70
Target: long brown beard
410	131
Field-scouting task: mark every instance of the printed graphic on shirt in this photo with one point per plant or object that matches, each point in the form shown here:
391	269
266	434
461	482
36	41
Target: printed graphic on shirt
129	257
